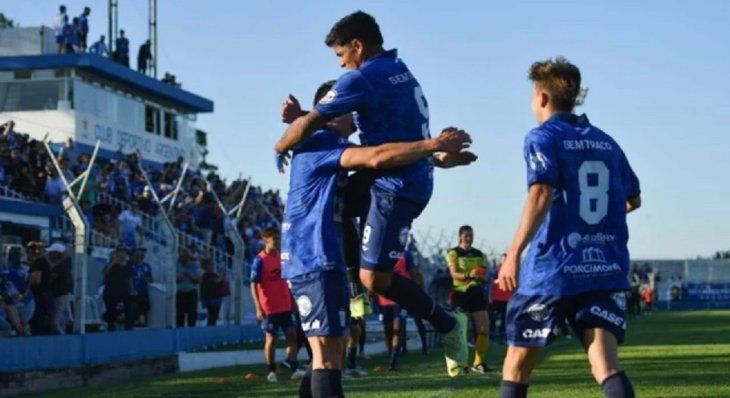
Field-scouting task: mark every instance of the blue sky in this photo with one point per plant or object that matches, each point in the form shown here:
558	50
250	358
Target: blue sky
657	72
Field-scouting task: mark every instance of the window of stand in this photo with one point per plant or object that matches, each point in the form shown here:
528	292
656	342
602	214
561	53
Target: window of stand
170	126
152	119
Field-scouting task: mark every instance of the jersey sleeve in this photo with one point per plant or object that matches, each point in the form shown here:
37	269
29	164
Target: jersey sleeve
349	93
452	259
256	269
629	178
408	257
541	159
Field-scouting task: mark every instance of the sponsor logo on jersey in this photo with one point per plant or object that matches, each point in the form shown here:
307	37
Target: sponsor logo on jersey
403	235
538	312
329	97
536	333
586	144
539	162
575	239
607	315
304	304
285	226
591	268
315	324
593	255
395	254
284	256
620	300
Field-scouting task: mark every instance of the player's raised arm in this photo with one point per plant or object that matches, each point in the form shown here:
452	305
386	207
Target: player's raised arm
299	130
403	153
633	204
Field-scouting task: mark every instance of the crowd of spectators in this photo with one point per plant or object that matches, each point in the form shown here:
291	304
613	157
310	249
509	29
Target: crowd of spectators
116	199
36	291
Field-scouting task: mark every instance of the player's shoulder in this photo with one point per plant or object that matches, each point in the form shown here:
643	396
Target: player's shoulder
474	252
322	139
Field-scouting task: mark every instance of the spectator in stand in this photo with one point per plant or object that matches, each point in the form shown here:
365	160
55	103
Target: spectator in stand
39	279
99	48
121	51
210	290
144	55
188	279
141	278
9	319
64	164
71	36
83	28
205	216
131	226
59	24
62	287
19	275
117	287
55	189
498	307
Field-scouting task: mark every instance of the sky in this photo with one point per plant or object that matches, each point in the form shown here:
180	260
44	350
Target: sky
657	73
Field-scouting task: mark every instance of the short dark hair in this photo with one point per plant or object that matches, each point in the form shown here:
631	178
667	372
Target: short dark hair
560	79
465	228
323	89
269	233
358	25
62	8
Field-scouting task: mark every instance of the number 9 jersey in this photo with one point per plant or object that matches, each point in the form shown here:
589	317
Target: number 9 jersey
581	245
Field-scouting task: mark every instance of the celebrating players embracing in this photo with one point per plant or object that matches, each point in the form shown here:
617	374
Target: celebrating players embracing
580	189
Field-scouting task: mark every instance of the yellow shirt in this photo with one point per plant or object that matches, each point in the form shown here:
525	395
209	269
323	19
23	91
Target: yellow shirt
465	261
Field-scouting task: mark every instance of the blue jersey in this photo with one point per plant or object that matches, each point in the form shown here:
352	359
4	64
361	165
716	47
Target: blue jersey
312	228
140	272
581	245
389	106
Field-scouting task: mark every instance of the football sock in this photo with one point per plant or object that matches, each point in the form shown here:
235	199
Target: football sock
327	383
480	349
351	357
272	367
409	295
362	335
422	334
294	365
510	389
305	386
618	385
394	356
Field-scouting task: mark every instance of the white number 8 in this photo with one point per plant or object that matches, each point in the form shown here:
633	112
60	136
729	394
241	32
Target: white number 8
597	192
423	108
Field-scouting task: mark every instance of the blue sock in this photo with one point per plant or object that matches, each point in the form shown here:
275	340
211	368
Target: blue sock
409	295
510	389
327	383
618	385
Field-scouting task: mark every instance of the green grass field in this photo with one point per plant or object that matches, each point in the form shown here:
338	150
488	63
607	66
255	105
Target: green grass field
681	354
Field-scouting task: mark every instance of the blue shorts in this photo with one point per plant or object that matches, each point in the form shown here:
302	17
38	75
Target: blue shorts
279	322
391	313
385	230
535	321
323	302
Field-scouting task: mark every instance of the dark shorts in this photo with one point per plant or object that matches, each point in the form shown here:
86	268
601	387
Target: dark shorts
385	230
472	300
323	302
279	322
535	321
391	313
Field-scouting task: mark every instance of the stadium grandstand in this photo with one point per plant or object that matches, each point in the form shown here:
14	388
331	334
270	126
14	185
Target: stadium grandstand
109	213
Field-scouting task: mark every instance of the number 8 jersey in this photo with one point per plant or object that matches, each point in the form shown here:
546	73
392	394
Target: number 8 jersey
581	245
389	106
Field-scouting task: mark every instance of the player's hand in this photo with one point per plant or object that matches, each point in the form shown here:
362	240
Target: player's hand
447	160
259	315
290	109
282	160
453	139
508	273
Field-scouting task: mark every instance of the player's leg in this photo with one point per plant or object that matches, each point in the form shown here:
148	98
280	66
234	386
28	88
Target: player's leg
270	356
481	329
602	349
387	316
363	339
600	318
384	236
395	342
352	344
518	365
292	349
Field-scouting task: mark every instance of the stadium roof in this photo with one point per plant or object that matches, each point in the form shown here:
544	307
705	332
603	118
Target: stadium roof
104	67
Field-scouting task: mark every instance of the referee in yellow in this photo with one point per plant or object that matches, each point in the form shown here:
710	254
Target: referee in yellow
467	266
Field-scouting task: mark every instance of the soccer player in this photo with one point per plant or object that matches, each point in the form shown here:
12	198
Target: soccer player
580	188
467	266
312	258
390	107
273	302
